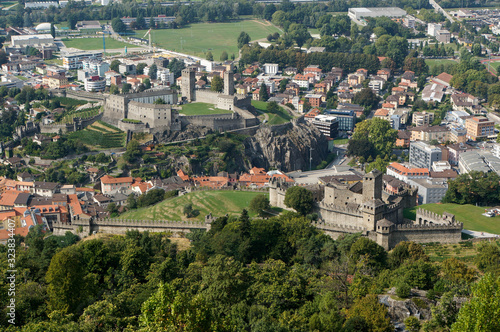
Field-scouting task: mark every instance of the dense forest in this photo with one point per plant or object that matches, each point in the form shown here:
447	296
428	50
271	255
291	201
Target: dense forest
277	274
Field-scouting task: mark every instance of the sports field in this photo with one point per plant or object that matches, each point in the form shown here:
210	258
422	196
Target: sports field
88	44
470	215
218	203
197	39
202	109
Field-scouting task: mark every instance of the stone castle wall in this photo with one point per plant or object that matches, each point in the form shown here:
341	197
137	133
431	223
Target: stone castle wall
77	124
450	233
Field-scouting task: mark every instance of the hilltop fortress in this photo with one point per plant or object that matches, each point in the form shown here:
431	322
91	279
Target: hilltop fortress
364	207
138	112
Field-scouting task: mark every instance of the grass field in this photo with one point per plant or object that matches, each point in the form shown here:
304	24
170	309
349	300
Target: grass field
470	215
202	109
197	39
218	203
88	44
340	141
99	135
280	117
437	62
84	114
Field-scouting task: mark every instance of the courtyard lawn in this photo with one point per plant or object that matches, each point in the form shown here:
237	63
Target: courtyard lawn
199	38
280	117
218	202
470	215
340	141
202	109
88	44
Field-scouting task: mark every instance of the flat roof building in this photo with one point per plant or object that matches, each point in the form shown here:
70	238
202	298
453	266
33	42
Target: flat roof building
328	125
358	13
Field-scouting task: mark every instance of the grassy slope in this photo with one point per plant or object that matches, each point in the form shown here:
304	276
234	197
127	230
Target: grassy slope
202	109
97	136
214	37
470	215
274	119
88	44
217	202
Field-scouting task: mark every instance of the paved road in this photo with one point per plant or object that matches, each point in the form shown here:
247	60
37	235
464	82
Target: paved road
441	10
479	234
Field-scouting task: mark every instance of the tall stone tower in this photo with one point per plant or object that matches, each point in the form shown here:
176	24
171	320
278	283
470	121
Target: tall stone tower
188	81
372	185
228	83
373	207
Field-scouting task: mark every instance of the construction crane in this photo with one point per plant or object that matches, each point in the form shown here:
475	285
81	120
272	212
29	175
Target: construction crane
149	33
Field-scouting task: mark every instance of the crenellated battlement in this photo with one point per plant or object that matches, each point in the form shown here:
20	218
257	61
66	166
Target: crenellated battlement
425	217
415	227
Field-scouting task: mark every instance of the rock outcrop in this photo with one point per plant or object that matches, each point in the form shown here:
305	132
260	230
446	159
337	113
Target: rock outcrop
286	147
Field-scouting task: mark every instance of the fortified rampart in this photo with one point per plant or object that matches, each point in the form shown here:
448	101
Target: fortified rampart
360	208
77	124
119	226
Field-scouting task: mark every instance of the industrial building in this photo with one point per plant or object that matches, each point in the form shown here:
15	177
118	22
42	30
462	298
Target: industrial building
359	13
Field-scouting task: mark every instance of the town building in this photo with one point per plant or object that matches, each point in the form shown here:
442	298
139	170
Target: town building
479	127
328	125
423	155
74	60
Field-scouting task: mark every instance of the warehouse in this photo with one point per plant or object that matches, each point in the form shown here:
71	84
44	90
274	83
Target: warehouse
358	13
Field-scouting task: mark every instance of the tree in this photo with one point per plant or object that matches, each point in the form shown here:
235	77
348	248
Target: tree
140	22
126	88
153	70
263	94
115	65
188	210
299	33
259	204
366	97
379	134
412	324
131	202
373	312
209	56
476	49
53	30
300	199
368	251
72	20
118	26
112	209
223	56
482	311
243	39
140	68
113	89
147	83
159	101
217	84
65	277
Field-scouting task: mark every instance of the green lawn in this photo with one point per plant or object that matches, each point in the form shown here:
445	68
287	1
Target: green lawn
22	78
202	109
199	38
470	215
340	141
280	117
88	44
437	62
218	203
100	136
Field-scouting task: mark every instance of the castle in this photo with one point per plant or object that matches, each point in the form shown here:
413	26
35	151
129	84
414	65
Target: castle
364	207
138	111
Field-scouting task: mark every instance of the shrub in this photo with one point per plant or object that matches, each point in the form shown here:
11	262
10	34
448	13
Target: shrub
421	304
403	291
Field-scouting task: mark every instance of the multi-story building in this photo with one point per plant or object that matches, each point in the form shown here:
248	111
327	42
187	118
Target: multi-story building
458	134
479	127
420	119
425	133
148	20
404	173
346	119
429	190
166	76
55	82
271	68
94	84
74	60
110	185
328	125
314	99
129	69
423	155
97	66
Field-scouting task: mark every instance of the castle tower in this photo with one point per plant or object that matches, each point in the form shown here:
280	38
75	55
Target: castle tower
188	81
372	185
228	83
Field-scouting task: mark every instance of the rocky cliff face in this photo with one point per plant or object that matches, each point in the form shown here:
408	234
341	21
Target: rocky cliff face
286	147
